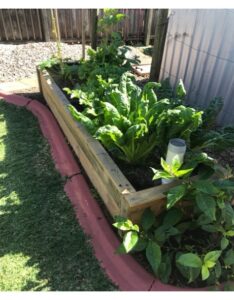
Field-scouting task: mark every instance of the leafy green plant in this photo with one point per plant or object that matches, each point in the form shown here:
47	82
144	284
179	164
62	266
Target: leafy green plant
109	60
130	121
49	63
193	238
171	171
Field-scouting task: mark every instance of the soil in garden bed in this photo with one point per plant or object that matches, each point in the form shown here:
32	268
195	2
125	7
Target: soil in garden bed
140	175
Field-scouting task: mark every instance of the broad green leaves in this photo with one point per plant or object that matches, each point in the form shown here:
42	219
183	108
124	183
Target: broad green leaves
148	219
175	194
190	260
81	118
224	243
207	205
125	224
205	272
153	254
109	135
130	240
206	186
171	171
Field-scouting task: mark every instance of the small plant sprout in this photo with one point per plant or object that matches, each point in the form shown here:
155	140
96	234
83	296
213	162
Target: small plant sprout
175	151
171	171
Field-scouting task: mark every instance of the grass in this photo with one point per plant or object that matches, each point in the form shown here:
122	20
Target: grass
42	246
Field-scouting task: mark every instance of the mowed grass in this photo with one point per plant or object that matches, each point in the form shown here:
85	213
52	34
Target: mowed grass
42	247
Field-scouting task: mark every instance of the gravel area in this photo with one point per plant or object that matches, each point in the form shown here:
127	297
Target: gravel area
19	61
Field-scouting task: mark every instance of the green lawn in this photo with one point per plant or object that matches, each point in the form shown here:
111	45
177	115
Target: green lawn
42	247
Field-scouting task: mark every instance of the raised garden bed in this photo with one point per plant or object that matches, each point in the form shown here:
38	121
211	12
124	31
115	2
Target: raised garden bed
118	194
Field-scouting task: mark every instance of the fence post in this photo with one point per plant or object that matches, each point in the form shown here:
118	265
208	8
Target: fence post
147	26
93	28
45	25
159	42
83	27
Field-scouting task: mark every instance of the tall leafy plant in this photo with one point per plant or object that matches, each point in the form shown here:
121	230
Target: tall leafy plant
109	60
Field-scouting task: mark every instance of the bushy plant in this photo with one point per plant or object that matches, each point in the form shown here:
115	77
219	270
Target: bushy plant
109	60
193	237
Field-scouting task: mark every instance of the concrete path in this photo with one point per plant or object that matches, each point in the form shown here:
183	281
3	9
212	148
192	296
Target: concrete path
23	85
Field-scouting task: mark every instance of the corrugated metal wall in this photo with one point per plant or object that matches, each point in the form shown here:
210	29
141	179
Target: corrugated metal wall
200	49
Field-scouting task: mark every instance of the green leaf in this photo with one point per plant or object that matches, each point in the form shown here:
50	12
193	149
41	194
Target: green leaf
165	165
135	132
205	272
207	187
126	225
230	233
207	205
153	254
181	173
130	240
218	269
160	234
190	260
88	123
120	101
148	219
172	217
184	226
180	90
211	258
203	220
229	258
224	243
226	185
176	163
110	112
210	228
108	135
165	268
190	273
228	214
175	194
160	174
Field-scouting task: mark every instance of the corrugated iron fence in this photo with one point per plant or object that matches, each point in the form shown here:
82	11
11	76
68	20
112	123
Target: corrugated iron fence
27	24
199	49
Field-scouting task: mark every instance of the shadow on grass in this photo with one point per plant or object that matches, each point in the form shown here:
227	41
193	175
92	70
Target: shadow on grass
37	218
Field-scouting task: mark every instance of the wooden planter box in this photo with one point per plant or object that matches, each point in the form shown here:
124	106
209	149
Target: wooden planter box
118	194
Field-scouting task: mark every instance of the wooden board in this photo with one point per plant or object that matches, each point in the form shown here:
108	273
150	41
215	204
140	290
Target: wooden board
117	193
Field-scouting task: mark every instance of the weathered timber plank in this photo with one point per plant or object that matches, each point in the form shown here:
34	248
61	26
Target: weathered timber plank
102	171
106	195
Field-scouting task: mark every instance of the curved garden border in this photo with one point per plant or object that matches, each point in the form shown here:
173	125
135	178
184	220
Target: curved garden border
123	270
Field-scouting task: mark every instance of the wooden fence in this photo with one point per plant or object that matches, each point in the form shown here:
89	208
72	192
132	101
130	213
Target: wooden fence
19	25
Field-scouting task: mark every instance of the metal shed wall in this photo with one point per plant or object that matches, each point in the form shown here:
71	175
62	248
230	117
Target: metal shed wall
199	49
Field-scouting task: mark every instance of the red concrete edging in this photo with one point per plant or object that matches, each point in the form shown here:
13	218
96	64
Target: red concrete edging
123	270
